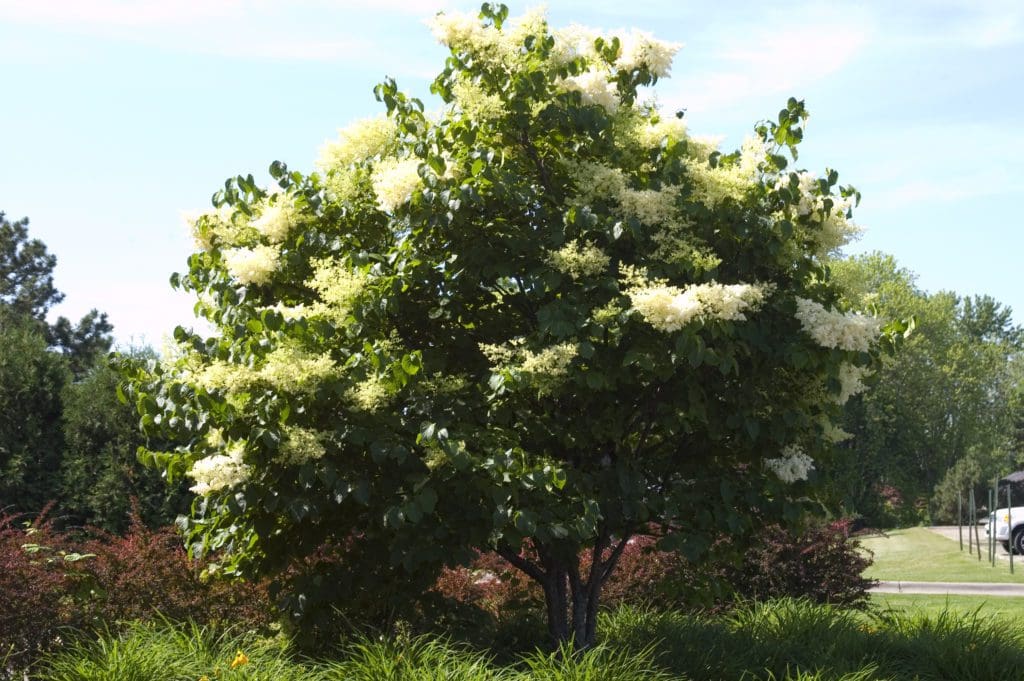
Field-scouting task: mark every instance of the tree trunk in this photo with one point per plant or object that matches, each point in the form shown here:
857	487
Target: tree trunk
572	600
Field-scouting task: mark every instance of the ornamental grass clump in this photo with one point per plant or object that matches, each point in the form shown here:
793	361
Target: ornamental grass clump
172	651
547	315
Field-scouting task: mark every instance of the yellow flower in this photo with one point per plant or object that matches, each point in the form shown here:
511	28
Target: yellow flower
240	659
204	677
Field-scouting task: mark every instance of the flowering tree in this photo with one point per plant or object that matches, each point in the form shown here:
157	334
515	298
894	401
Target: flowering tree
544	316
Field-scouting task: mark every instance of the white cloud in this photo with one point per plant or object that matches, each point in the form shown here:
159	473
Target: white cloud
950	189
772	61
163	12
966	23
85	13
941	163
322	30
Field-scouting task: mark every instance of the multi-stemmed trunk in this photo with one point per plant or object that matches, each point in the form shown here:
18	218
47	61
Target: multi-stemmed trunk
572	594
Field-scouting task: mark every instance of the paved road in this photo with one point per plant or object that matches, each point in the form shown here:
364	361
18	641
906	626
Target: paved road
950	588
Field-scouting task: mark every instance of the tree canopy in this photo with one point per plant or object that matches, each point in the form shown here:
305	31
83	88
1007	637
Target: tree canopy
27	289
540	322
64	438
940	416
26	271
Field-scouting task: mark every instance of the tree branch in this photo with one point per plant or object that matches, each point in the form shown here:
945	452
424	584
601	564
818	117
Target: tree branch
613	559
523	564
596	567
531	151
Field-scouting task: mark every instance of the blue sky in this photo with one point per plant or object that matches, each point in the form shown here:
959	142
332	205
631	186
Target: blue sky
120	114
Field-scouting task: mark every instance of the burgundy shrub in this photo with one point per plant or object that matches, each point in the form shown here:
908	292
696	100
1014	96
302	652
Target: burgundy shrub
492	584
53	584
822	564
147	573
37	588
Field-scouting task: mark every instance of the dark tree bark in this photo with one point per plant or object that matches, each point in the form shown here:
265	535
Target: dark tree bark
572	599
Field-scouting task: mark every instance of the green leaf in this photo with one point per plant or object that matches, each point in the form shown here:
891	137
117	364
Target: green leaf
525	522
427	500
411	364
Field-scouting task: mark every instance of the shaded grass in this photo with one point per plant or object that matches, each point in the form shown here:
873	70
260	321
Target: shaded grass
786	640
918	554
797	640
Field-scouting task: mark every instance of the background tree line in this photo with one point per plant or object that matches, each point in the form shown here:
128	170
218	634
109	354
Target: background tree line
945	414
64	436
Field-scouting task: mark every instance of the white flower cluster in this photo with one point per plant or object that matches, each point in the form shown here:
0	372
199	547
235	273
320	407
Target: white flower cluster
475	102
808	201
364	139
209	227
835	230
252	265
854	332
543	370
714	185
220	471
793	465
394	182
650	133
833	433
286	368
293	369
300	445
596	181
370	395
579	259
552	361
668	308
594	87
640	48
337	285
651	206
851	381
637	49
656	208
574	41
276	219
463	31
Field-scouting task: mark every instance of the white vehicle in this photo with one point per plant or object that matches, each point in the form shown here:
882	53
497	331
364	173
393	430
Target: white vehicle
1009	527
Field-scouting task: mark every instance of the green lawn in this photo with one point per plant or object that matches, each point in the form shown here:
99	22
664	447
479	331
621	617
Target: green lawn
1009	608
920	555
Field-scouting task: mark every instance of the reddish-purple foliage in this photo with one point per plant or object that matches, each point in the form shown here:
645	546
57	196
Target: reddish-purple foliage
52	583
147	572
821	564
35	589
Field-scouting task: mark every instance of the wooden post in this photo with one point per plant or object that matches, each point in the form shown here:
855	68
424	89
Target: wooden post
995	520
1009	520
970	520
991	530
977	536
960	517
